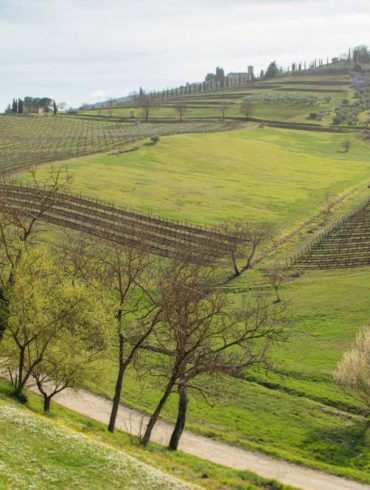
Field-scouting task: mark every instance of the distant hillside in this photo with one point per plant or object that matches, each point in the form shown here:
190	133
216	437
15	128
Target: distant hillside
356	60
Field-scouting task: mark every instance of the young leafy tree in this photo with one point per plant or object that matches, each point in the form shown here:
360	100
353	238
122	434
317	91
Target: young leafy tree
74	354
18	229
41	306
126	271
201	339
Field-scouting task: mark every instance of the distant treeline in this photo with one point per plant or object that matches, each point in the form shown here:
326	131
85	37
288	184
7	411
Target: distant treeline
30	105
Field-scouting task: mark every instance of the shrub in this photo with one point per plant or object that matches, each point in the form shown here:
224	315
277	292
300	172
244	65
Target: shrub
346	145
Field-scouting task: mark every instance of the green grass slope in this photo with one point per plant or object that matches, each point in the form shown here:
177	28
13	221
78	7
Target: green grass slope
282	176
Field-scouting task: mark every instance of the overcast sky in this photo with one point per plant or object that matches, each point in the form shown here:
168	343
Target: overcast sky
79	50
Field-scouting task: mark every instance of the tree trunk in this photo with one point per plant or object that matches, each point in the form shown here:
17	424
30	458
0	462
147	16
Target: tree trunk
20	370
3	322
47	401
181	419
153	419
236	270
118	387
249	262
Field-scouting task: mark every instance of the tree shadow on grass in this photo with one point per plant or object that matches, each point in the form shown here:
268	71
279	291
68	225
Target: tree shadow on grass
346	446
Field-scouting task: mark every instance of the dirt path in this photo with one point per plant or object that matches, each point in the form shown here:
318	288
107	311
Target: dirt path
98	408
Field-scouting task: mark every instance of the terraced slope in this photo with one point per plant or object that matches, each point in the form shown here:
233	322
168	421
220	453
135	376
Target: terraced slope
164	238
345	245
286	99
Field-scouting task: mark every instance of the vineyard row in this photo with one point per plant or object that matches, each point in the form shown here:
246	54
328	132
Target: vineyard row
118	225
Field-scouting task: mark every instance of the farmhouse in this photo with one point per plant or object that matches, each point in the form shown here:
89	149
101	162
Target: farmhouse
238	78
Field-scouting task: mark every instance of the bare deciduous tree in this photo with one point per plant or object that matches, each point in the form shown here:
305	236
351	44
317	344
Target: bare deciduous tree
202	339
181	110
146	102
329	205
245	239
247	108
224	106
275	275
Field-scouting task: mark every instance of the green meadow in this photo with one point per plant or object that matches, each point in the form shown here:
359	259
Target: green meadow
281	176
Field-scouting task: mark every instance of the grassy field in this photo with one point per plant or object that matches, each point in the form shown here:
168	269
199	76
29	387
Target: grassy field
62	444
281	176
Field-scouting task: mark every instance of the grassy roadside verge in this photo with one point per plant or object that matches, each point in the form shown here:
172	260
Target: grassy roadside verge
187	468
